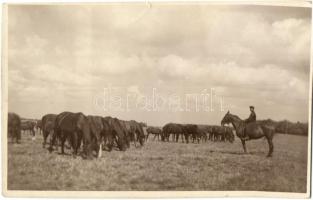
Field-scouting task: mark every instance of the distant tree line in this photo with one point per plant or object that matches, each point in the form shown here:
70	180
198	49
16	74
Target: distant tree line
284	126
287	127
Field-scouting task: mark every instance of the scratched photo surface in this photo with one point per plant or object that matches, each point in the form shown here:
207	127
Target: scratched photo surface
158	97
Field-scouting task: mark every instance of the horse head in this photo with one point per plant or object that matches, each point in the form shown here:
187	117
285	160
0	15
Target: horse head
226	119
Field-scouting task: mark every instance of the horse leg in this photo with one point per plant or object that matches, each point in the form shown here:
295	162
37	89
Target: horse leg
75	144
32	132
110	142
63	139
72	142
128	139
271	146
135	138
244	145
187	138
100	150
18	136
53	139
44	140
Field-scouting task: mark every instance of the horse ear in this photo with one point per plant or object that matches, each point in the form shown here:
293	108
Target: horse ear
227	112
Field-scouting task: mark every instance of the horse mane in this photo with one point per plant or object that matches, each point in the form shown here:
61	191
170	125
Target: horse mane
235	116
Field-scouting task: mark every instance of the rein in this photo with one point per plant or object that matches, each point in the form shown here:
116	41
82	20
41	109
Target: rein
238	124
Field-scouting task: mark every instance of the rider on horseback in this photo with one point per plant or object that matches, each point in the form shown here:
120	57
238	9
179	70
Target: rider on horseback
252	118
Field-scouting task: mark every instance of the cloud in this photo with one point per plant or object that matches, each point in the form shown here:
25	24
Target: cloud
244	51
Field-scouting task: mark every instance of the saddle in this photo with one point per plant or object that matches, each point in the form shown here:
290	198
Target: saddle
242	128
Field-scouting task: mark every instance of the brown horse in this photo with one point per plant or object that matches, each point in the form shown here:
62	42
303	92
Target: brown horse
134	131
47	126
115	132
97	129
176	130
14	127
154	131
253	130
76	128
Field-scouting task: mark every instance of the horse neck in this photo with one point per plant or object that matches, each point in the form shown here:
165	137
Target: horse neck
236	122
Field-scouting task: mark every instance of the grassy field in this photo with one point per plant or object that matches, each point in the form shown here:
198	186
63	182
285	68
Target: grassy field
164	166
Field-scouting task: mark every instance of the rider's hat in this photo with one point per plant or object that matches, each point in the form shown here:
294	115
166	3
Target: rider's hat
252	107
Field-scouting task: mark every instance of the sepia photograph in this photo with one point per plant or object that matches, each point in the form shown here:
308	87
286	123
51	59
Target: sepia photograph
156	99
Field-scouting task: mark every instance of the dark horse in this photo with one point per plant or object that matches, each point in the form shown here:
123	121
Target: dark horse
76	128
47	126
14	127
253	130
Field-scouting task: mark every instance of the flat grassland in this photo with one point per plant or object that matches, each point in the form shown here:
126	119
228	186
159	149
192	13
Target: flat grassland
160	165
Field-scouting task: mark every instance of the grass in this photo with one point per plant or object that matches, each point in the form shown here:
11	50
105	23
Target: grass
158	166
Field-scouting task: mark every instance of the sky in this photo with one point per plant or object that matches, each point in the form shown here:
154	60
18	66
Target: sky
159	63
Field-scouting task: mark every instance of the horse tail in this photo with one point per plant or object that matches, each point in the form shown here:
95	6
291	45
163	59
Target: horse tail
269	132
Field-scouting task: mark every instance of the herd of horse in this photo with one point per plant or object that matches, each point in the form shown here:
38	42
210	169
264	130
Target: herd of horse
97	133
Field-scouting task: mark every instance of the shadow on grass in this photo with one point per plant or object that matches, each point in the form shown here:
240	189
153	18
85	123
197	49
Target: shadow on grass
64	154
259	153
